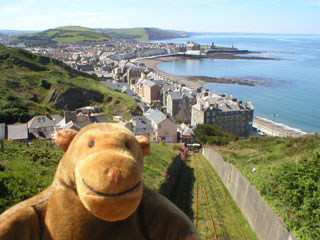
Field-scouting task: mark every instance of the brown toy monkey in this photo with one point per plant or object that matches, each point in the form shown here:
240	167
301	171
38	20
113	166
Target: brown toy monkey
98	193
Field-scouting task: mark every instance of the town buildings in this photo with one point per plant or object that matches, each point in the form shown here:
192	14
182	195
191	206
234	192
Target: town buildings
116	60
164	125
179	104
226	112
150	91
141	125
43	127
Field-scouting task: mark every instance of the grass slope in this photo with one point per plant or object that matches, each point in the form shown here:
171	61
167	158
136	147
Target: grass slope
27	80
287	176
139	34
81	34
26	171
62	34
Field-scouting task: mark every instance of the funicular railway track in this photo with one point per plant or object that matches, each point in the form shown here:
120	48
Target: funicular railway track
213	214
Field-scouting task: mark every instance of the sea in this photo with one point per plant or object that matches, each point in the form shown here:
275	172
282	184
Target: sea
293	95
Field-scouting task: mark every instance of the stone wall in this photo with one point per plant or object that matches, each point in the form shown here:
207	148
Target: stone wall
259	214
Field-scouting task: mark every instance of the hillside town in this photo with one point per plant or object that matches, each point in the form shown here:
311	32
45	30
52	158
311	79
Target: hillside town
170	109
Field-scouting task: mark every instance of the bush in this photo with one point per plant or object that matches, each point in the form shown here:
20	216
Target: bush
296	190
45	84
212	134
44	60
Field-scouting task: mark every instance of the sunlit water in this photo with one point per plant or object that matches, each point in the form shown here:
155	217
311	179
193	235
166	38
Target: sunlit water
294	92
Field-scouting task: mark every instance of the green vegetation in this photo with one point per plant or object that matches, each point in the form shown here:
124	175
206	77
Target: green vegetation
156	164
212	134
31	84
51	37
59	35
139	34
287	176
26	171
143	34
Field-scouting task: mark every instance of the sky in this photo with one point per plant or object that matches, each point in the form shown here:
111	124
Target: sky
254	16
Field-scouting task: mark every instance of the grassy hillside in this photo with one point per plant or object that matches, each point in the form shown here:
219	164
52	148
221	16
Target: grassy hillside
139	34
52	37
62	34
32	84
287	176
143	34
26	171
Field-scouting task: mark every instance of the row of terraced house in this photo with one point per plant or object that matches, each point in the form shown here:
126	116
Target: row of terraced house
192	106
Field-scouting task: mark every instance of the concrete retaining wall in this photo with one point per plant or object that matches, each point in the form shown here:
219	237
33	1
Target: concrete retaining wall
259	214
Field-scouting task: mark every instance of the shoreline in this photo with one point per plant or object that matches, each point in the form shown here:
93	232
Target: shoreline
271	128
266	126
199	81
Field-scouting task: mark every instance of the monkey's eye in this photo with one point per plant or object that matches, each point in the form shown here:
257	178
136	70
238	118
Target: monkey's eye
127	145
91	144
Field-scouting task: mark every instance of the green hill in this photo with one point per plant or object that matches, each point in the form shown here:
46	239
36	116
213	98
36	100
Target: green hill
52	37
59	35
32	84
287	175
143	34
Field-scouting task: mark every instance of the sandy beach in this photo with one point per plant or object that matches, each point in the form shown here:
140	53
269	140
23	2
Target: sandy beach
186	80
198	81
270	128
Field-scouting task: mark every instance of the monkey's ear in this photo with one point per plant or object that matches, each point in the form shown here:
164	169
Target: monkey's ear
144	144
64	138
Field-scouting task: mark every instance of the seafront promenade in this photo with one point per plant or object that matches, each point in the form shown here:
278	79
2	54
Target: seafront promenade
270	128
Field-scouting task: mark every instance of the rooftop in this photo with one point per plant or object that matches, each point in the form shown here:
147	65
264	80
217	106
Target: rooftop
44	121
156	116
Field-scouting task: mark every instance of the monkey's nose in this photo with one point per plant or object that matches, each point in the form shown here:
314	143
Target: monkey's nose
112	172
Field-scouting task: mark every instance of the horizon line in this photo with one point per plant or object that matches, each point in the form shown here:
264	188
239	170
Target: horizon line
199	32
